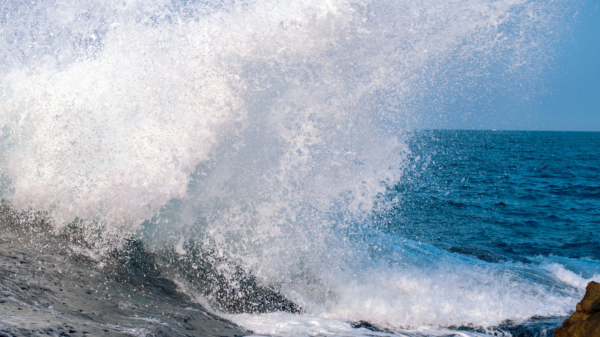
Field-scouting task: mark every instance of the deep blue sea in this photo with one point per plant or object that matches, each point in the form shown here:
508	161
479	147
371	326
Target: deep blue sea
501	194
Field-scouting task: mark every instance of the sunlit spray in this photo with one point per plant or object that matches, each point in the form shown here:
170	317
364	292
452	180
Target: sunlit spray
263	131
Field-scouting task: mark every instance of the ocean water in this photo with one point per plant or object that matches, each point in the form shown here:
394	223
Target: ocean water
519	194
477	216
266	155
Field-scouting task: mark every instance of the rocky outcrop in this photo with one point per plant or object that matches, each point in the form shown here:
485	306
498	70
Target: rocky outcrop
48	289
585	321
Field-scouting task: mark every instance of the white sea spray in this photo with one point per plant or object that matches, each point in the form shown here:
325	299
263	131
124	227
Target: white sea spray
266	130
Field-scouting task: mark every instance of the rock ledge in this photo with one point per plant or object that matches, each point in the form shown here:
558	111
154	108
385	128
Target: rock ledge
585	321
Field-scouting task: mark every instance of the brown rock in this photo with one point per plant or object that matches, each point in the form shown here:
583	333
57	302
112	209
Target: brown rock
585	321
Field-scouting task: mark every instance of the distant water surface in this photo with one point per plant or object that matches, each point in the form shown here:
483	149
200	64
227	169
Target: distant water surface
517	194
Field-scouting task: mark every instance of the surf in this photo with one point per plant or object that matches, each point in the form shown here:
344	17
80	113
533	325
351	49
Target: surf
255	141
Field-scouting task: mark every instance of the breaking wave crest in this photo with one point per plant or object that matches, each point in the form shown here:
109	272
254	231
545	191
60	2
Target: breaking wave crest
263	132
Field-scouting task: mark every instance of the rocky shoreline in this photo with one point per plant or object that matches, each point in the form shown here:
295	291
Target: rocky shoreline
585	321
48	289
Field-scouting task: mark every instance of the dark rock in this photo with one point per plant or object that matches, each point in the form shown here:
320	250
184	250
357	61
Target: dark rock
585	321
364	325
237	292
128	286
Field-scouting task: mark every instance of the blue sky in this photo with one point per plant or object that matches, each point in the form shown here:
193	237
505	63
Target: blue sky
565	97
573	100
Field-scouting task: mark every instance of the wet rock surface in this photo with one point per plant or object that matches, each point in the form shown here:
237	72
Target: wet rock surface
585	321
48	289
235	292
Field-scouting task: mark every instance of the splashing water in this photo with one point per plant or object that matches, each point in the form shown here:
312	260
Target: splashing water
263	130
